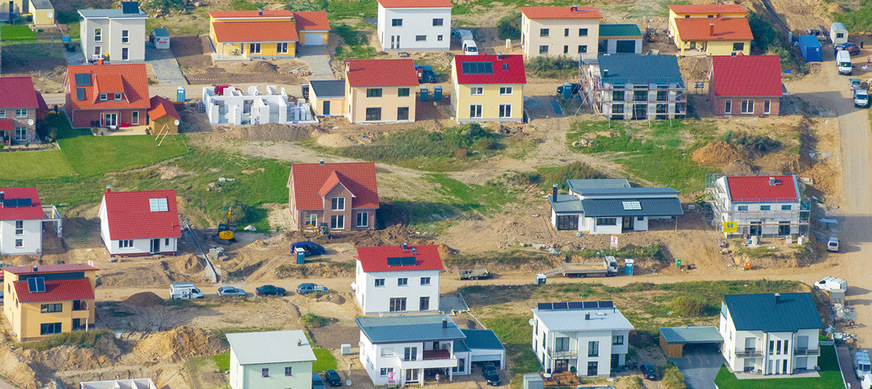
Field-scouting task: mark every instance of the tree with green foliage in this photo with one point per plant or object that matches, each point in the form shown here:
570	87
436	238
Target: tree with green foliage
687	306
509	27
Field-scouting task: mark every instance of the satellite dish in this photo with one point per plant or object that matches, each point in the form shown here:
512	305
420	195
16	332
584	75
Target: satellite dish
49	14
176	122
348	382
531	321
29	122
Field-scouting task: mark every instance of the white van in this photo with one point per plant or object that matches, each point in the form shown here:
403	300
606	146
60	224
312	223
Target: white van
862	365
843	60
469	47
184	291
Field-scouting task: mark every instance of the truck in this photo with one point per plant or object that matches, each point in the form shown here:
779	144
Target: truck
426	73
862	364
474	274
843	61
184	291
608	267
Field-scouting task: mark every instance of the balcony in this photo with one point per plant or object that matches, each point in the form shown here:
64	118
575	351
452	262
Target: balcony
563	353
429	355
749	353
430	359
799	352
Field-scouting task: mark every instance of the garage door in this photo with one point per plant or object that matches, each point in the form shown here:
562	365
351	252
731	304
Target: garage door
485	357
624	46
314	39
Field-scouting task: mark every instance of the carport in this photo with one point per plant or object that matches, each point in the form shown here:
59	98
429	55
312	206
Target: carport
673	339
484	346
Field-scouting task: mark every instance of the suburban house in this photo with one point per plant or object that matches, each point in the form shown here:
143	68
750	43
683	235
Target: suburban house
611	206
253	34
397	279
327	97
338	196
414	25
225	105
380	90
270	360
488	88
313	29
770	333
48	299
41	11
401	350
140	223
758	205
713	29
114	34
21	221
569	31
745	85
20	111
162	116
106	95
620	39
589	338
636	87
129	383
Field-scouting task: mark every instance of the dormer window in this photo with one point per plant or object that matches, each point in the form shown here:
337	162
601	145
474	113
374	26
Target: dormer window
103	97
118	96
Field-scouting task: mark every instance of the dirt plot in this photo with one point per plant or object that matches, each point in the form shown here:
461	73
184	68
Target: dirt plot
193	54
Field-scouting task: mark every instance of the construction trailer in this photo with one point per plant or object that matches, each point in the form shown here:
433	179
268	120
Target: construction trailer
634	87
225	104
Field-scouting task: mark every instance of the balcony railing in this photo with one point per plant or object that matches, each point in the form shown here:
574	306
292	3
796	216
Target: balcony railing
562	353
749	353
429	355
805	351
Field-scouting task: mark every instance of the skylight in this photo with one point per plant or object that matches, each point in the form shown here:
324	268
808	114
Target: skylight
36	285
158	205
632	206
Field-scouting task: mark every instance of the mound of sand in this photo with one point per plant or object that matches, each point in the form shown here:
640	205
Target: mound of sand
144	299
716	153
334	140
179	344
187	264
256	68
269	132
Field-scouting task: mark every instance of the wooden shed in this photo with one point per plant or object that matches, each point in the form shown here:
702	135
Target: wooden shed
162	116
673	339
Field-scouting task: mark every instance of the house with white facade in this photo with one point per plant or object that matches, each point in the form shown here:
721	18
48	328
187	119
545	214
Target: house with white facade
401	350
414	25
270	360
758	205
226	105
770	333
589	338
568	31
397	279
140	223
611	206
114	34
21	221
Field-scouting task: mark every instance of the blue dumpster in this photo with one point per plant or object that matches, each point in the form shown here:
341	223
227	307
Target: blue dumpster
567	90
424	95
301	256
180	94
810	48
437	93
628	267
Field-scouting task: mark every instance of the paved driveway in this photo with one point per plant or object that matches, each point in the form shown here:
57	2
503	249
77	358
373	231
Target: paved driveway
700	365
165	66
319	61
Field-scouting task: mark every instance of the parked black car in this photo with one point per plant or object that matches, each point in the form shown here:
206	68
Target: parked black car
850	47
332	378
270	290
490	373
309	247
648	371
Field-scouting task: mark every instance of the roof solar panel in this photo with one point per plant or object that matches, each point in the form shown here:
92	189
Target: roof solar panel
83	79
590	304
15	203
36	285
80	94
576	305
543	306
402	261
560	306
477	68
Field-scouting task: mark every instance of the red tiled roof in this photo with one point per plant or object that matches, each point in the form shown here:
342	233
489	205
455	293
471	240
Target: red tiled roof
757	188
24	96
130	216
690	9
572	12
311	20
332	180
131	79
6	125
260	31
746	75
161	107
416	3
56	290
511	73
381	72
21	213
358	177
375	258
65	268
699	29
251	14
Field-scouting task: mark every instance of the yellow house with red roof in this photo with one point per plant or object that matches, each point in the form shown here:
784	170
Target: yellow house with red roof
488	88
45	300
380	90
265	33
713	29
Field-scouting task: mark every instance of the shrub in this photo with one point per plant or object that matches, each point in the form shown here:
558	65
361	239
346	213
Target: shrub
552	67
764	34
310	5
509	27
574	170
350	36
672	378
757	143
484	144
315	321
687	306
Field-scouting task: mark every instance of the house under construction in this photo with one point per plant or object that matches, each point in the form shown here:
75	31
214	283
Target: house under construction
634	86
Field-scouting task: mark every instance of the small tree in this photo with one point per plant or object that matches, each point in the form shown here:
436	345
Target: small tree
509	27
687	306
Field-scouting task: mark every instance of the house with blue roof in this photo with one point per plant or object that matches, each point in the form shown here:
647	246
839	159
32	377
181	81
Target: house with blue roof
611	206
401	350
770	334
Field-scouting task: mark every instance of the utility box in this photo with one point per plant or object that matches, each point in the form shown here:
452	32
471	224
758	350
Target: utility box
838	33
345	349
533	381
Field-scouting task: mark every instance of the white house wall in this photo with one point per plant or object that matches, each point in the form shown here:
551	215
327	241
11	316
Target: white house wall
735	342
374	299
375	357
269	107
31	237
111	37
579	342
416	21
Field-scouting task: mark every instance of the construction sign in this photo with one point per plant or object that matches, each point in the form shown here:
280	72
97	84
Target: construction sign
614	243
730	227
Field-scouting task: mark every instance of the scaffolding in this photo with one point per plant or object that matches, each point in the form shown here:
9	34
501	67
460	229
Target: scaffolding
756	222
618	98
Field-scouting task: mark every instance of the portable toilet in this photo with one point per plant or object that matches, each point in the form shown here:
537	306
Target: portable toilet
437	93
567	90
541	279
424	95
301	255
628	266
838	33
810	48
160	38
180	94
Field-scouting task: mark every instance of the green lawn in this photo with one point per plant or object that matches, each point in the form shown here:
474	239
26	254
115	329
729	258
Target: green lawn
326	360
34	164
18	32
830	377
223	361
90	155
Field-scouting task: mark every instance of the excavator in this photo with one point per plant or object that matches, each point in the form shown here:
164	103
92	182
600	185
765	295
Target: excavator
225	230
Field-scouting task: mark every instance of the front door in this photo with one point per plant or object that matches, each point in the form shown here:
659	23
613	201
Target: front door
326	109
592	369
616	361
155	246
628	222
561	365
395	42
110	119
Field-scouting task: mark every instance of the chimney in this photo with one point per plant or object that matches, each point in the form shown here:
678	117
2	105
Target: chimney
733	54
259	12
553	192
2	197
322	162
777	297
405	247
587	316
711	29
299	342
773	181
499	55
108	188
444	322
100	61
574	8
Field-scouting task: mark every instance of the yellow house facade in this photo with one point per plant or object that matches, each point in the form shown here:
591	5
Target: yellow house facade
45	300
712	29
703	11
380	90
488	88
571	32
248	34
41	12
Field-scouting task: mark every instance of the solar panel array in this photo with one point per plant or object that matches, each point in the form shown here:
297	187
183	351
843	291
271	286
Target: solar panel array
574	305
15	203
80	94
478	68
402	261
36	285
83	79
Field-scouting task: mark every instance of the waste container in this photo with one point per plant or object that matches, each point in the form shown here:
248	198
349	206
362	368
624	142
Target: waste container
541	279
437	93
628	267
424	95
180	94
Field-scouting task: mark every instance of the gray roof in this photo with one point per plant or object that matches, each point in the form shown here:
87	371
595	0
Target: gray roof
398	329
575	319
598	183
647	207
41	4
482	339
328	88
161	32
639	69
270	347
690	335
460	346
565	204
109	13
756	312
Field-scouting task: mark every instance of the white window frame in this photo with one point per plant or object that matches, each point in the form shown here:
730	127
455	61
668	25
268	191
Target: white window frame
104	97
251	49
364	217
425	283
312	218
20	133
134	118
337	203
506	90
403	281
767	106
98	35
476	90
505	111
125	244
125	54
2	114
19	242
282	48
21	113
125	36
478	113
118	96
337	222
748	107
19	227
728	107
98	50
